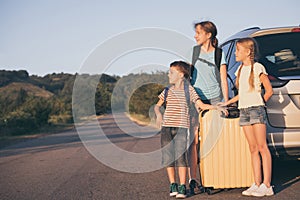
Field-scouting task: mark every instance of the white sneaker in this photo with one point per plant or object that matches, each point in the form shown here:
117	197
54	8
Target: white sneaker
250	190
263	190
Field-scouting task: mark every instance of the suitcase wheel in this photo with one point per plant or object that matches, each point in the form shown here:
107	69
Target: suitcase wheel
201	189
209	191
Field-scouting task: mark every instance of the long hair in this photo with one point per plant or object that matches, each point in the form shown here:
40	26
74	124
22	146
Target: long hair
248	43
209	27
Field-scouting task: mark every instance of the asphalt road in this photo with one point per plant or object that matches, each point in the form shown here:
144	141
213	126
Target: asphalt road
59	166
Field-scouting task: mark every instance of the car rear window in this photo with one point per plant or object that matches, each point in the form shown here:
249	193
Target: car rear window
280	53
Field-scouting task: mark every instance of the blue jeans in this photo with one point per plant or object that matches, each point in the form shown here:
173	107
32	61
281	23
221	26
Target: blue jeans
174	145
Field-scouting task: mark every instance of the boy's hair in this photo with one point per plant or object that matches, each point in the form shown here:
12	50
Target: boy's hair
209	27
248	43
183	67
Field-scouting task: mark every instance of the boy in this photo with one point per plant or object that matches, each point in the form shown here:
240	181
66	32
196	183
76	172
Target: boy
175	124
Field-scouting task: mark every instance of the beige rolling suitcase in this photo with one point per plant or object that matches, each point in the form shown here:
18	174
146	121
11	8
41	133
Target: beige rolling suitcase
225	160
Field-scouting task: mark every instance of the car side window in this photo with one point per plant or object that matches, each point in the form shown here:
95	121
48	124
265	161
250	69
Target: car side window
232	63
225	49
282	58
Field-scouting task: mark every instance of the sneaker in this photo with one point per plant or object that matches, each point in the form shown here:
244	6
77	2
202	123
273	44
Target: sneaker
263	190
173	189
192	184
250	190
181	192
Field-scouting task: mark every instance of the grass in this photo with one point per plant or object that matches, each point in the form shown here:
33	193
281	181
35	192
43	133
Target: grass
140	119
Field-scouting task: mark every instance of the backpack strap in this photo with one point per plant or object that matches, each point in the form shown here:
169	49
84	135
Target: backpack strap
166	95
218	56
186	93
196	53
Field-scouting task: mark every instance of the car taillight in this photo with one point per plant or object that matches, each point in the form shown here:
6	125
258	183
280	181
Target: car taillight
296	29
276	82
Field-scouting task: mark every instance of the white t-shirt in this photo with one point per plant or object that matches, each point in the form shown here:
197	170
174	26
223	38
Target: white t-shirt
249	98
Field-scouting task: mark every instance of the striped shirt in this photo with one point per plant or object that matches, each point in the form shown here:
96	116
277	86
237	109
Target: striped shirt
176	113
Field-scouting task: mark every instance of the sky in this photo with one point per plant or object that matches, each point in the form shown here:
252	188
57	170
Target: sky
54	36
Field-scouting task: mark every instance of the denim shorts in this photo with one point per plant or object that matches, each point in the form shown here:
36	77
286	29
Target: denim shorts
174	144
253	115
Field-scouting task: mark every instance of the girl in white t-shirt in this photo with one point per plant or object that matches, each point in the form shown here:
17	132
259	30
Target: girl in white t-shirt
250	76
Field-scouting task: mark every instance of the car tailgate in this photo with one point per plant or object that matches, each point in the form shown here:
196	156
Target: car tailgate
283	108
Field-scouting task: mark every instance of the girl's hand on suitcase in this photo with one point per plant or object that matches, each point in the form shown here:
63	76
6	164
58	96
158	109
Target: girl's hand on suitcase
222	104
222	109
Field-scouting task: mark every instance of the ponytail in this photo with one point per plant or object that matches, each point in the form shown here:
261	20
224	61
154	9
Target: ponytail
215	42
250	44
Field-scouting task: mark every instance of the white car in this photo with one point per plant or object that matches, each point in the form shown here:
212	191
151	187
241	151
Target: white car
279	52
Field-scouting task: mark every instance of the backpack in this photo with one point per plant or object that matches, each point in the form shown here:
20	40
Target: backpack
218	56
192	111
186	94
196	53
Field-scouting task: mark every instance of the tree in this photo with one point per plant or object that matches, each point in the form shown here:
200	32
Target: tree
102	99
144	98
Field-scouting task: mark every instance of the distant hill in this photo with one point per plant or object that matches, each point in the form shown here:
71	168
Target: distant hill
12	90
54	83
7	77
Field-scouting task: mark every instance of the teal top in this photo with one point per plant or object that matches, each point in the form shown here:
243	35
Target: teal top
206	76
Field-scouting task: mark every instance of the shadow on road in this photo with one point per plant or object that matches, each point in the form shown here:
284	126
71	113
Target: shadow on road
46	143
285	173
